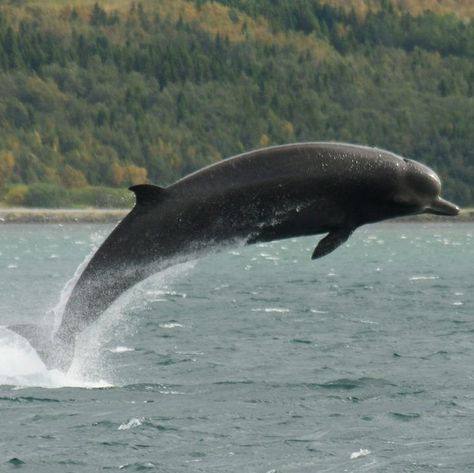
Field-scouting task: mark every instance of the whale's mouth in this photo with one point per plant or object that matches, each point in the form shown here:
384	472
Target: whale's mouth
442	207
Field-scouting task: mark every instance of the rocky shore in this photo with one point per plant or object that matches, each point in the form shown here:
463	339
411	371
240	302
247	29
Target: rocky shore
92	215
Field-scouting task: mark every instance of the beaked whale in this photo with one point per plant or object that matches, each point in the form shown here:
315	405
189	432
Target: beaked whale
268	194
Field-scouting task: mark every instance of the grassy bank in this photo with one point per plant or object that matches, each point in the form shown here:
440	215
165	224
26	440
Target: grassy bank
43	195
31	215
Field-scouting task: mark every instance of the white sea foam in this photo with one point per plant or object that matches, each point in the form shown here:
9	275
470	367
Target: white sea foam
165	391
121	349
423	278
363	452
279	310
132	423
190	353
164	292
171	325
272	258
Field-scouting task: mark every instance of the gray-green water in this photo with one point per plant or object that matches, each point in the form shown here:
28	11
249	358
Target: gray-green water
253	360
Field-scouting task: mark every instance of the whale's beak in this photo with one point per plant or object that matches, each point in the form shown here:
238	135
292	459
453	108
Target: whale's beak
442	207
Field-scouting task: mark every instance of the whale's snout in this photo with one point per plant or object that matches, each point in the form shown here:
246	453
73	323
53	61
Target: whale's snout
425	185
443	207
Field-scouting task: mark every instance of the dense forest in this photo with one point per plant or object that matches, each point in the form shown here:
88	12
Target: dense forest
95	97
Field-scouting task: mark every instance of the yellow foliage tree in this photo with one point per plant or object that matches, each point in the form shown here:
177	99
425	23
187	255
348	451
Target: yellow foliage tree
288	129
72	177
264	140
118	174
16	195
135	175
128	175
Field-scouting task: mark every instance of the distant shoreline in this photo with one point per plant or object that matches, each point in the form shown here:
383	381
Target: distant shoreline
89	215
94	215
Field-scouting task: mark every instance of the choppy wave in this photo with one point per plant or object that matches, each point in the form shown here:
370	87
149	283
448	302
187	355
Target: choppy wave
131	424
424	278
121	349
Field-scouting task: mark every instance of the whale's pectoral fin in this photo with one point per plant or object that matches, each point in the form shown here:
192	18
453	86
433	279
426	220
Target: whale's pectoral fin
147	194
331	241
53	352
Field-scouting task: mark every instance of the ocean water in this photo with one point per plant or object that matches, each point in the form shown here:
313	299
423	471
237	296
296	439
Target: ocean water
255	359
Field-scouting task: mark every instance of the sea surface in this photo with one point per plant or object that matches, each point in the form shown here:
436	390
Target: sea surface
255	359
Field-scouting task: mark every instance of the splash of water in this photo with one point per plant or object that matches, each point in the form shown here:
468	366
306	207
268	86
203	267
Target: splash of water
58	310
21	366
116	323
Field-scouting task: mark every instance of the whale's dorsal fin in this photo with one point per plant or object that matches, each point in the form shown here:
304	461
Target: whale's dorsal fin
147	194
331	241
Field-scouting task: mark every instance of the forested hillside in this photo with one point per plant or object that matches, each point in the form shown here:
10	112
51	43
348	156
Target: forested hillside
460	8
95	97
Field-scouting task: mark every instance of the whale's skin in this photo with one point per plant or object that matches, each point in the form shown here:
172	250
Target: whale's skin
263	195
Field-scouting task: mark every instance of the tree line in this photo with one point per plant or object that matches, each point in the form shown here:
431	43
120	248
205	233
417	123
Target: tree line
102	98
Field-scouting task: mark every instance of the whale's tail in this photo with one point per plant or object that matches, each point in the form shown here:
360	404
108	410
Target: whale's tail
54	352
